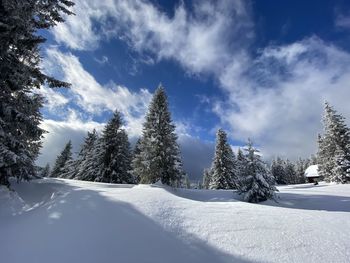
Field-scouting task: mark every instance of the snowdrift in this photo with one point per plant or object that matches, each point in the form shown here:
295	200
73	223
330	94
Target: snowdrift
54	220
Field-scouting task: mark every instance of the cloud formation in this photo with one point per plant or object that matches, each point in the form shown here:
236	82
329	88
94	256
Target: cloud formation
281	101
75	108
274	96
60	132
90	96
342	21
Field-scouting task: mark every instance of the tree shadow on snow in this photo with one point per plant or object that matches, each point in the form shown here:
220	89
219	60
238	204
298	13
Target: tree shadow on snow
205	195
329	203
84	226
301	186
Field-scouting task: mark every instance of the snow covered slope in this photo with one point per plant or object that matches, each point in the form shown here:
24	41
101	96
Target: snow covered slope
72	221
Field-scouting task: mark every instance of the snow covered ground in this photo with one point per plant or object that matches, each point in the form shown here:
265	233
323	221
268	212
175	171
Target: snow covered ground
59	221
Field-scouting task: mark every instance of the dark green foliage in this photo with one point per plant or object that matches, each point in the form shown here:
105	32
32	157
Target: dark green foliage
85	157
20	76
334	148
62	159
159	156
224	164
116	153
257	185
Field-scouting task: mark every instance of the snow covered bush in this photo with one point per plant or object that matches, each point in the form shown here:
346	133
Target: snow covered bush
257	184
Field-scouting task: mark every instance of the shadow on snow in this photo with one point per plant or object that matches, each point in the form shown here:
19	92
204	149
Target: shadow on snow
78	225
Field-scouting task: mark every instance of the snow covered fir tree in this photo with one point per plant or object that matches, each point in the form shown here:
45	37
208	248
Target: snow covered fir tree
85	168
21	76
158	156
257	185
223	170
289	172
116	153
334	147
63	161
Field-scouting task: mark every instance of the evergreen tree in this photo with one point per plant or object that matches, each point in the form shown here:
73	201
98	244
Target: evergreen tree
224	164
301	166
290	173
278	171
242	164
61	160
257	185
91	167
341	168
69	169
20	77
334	147
206	178
116	154
45	172
136	161
84	153
159	156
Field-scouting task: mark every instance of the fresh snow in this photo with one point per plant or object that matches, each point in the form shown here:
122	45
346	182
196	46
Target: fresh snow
312	171
57	220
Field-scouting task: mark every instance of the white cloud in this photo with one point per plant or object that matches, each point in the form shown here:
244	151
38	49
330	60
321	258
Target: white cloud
275	98
76	107
342	21
78	31
53	99
60	132
200	40
94	98
103	60
281	103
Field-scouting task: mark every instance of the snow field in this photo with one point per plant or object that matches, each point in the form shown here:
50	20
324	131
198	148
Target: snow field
75	221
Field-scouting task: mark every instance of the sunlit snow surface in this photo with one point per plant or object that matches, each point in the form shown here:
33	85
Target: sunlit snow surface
53	220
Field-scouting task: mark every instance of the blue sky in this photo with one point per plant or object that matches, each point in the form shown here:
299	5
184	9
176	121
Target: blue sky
259	69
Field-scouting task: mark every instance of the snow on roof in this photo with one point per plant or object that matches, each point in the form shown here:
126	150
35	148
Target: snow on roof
312	171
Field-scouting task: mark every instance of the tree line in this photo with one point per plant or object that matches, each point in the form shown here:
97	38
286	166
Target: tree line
156	157
245	172
109	158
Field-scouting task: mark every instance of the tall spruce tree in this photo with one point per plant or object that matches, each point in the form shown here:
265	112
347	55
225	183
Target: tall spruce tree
159	156
278	171
257	185
334	147
116	153
90	168
223	170
83	155
61	160
69	169
20	77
